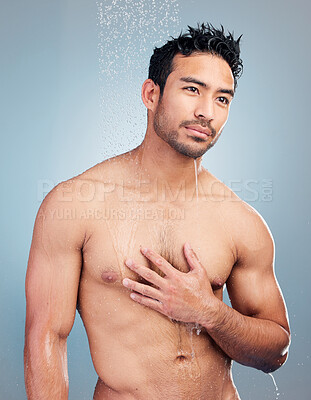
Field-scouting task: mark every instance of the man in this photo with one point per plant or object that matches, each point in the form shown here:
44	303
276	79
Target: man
144	244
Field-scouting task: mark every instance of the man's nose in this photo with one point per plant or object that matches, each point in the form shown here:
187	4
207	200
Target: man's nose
205	109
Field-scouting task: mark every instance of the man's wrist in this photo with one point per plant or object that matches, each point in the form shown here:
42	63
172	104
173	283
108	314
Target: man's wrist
209	315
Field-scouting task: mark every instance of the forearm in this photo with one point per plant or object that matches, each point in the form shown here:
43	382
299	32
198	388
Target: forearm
46	374
251	341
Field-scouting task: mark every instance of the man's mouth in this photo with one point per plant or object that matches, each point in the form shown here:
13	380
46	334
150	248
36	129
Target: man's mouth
198	131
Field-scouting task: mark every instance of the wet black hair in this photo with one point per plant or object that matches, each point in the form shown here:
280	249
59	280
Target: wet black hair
204	38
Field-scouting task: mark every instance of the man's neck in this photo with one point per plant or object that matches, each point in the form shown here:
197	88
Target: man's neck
158	161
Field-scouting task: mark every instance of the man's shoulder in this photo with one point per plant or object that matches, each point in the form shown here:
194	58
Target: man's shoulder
249	228
105	171
217	191
246	224
79	188
252	236
81	193
98	173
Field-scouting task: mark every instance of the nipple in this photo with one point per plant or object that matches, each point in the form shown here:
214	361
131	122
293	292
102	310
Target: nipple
217	283
110	276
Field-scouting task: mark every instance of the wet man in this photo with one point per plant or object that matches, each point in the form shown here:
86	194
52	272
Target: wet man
143	245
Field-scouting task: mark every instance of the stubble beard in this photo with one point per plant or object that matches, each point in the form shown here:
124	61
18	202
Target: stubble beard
171	137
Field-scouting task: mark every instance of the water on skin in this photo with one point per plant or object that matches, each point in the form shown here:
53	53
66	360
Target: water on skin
191	366
185	351
195	371
196	182
123	239
186	330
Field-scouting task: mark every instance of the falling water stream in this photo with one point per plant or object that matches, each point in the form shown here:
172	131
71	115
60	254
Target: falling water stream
276	388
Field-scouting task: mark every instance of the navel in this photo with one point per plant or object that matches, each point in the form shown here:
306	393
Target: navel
182	359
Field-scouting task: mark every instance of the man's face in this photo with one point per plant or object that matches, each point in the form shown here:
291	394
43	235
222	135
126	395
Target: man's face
195	104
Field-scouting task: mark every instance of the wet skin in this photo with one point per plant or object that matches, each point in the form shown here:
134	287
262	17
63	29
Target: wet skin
160	357
89	235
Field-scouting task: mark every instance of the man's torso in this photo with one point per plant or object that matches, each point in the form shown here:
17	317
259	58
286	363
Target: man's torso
137	352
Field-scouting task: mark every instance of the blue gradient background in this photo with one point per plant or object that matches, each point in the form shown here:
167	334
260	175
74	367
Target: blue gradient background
54	107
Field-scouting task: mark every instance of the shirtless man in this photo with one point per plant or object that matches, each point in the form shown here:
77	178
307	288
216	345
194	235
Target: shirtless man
144	253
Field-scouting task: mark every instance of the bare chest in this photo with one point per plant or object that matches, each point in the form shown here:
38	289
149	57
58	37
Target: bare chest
118	234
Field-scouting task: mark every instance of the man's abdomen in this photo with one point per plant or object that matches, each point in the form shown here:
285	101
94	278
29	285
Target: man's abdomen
141	354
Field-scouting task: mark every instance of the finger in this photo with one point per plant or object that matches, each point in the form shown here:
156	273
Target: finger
159	261
192	258
143	289
146	273
146	301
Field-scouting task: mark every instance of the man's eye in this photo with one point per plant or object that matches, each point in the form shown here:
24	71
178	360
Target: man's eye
224	100
192	89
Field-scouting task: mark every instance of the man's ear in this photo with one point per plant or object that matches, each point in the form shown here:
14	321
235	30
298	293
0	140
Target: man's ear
150	93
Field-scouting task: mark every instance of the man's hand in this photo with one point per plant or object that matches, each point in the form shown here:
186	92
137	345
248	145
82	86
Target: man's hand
181	296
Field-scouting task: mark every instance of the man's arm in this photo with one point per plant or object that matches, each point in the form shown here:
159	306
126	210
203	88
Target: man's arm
52	282
256	332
